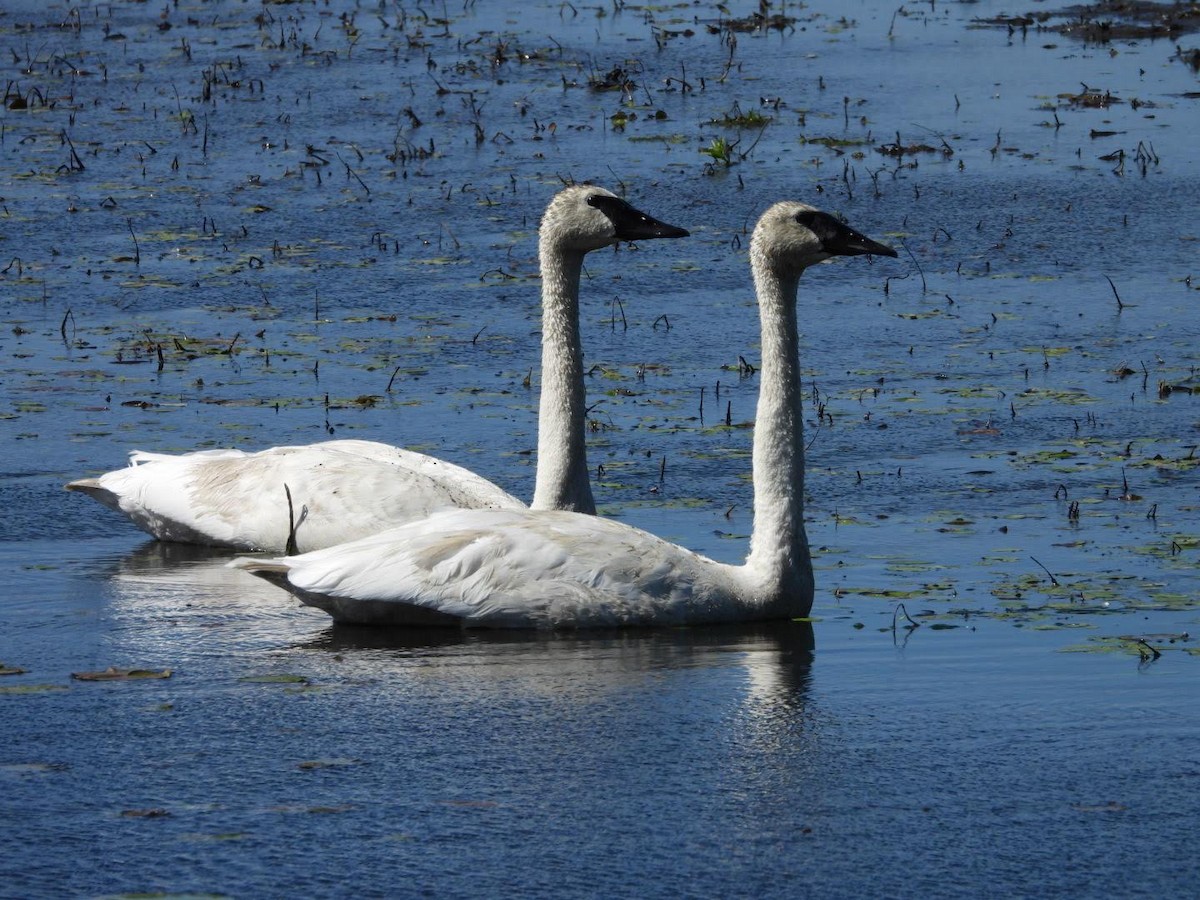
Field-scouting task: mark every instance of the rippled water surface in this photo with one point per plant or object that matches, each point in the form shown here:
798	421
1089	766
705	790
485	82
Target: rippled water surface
229	224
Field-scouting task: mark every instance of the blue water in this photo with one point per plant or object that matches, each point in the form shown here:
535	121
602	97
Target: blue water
961	398
709	762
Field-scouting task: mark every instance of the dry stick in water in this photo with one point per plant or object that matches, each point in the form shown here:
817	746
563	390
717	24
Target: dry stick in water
612	321
1120	305
351	173
1053	580
1125	495
920	271
76	162
137	253
911	623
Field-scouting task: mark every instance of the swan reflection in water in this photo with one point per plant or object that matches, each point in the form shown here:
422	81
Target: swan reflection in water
172	601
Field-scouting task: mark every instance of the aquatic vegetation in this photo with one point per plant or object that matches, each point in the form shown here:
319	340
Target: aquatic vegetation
274	678
837	144
1106	20
113	673
1147	647
737	118
720	150
20	689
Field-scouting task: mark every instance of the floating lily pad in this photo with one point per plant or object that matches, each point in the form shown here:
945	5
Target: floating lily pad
887	594
114	674
1145	647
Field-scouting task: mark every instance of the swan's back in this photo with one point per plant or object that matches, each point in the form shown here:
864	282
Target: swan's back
512	569
340	491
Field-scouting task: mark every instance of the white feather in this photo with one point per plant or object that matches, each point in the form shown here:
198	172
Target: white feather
340	490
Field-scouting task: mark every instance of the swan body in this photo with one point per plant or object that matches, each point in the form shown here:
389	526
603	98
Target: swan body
231	498
555	569
513	569
296	499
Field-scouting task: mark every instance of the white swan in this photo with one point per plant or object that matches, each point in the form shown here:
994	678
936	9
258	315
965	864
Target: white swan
548	569
337	491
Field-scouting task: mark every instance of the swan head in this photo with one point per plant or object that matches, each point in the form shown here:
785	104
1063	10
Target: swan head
585	218
792	236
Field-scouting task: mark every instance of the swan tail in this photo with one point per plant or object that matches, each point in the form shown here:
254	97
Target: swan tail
95	490
345	611
262	567
272	570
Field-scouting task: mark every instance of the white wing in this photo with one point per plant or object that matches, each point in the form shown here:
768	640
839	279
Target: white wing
340	491
512	569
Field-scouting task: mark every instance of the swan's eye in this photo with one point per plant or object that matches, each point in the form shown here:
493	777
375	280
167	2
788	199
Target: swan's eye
610	206
812	218
822	224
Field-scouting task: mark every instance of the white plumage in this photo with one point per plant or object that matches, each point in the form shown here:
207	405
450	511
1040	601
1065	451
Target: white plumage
343	490
340	490
554	569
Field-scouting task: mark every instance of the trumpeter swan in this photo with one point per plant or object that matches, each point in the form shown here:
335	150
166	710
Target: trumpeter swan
337	491
550	569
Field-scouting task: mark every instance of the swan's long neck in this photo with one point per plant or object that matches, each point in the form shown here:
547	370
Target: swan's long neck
779	557
562	470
